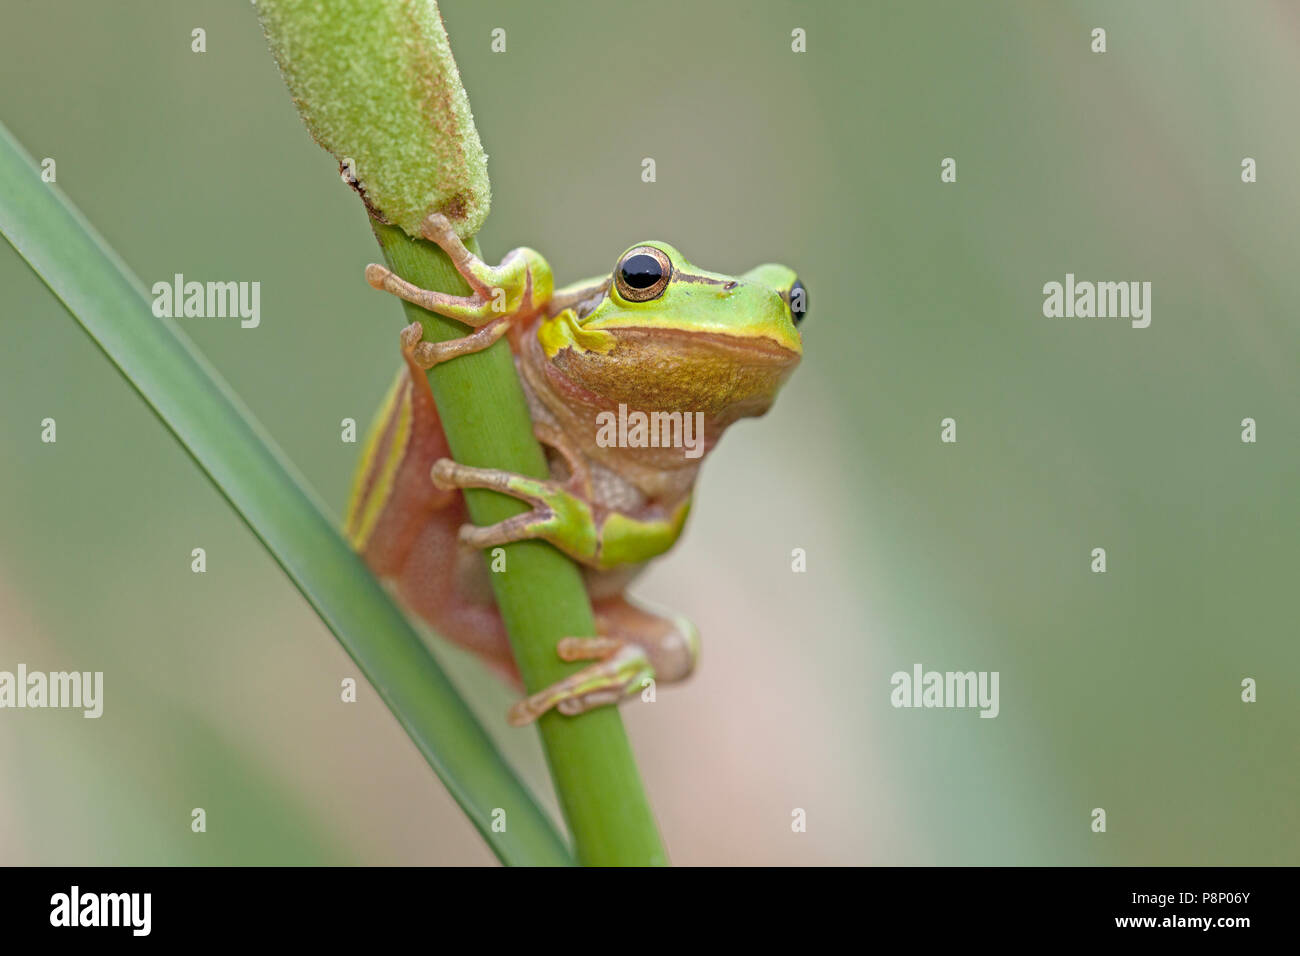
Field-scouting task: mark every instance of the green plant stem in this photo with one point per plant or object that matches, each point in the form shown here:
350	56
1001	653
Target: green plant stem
243	463
541	594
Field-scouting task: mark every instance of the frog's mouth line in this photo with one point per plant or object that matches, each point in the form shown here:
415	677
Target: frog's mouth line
766	349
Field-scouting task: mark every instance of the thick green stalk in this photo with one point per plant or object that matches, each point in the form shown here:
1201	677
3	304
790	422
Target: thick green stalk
242	461
377	86
541	593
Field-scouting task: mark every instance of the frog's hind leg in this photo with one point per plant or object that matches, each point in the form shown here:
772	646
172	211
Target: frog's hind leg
406	529
634	647
446	584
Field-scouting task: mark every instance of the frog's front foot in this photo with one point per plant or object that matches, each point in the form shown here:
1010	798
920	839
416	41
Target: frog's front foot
620	669
557	515
426	355
473	310
517	288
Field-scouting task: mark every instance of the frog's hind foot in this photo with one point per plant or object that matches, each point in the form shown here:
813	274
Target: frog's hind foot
635	649
617	673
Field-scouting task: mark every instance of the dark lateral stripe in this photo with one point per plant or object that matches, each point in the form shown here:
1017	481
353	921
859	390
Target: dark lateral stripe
706	280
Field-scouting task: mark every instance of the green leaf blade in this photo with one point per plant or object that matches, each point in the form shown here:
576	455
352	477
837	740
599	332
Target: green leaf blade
190	398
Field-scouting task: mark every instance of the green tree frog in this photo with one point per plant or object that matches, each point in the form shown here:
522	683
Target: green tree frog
658	336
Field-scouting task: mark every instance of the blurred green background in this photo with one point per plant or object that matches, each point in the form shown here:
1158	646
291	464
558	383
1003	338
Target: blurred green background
1119	691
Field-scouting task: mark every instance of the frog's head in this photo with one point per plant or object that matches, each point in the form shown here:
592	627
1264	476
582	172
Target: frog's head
663	335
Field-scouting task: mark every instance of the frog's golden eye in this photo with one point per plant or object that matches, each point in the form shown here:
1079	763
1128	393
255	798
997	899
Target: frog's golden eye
798	299
643	274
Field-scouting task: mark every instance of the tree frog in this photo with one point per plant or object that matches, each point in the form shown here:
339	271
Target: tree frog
657	336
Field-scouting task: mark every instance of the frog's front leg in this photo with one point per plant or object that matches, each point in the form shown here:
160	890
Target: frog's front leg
634	647
426	355
598	537
513	291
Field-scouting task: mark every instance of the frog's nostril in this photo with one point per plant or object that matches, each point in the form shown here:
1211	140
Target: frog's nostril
730	285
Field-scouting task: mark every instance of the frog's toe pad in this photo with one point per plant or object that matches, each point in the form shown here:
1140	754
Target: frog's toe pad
442	474
436	226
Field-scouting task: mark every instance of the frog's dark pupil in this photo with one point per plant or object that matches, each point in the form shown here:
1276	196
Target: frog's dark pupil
798	301
641	271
